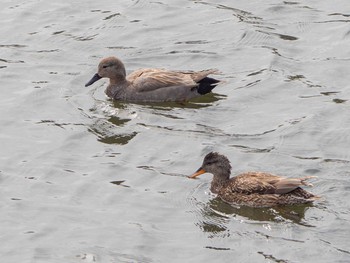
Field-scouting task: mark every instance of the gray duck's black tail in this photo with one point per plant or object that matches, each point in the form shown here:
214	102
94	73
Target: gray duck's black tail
206	85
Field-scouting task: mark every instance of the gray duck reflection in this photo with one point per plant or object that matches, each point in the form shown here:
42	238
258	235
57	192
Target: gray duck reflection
114	129
111	129
107	132
196	103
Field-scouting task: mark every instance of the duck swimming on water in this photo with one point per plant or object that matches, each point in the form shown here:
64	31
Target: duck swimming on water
153	85
255	189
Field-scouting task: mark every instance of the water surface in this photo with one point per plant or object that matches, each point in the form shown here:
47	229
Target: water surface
86	179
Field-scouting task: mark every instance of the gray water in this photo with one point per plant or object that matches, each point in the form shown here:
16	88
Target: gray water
86	179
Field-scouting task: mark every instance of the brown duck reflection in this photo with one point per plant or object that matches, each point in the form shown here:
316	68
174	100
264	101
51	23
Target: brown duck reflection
216	214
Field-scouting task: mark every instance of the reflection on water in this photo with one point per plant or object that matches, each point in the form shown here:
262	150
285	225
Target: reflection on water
120	182
294	213
61	125
110	120
118	121
117	139
107	131
216	214
272	258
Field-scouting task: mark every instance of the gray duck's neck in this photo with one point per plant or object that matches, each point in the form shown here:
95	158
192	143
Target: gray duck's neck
116	88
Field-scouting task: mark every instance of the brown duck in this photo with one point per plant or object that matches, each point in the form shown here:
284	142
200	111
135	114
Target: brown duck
255	189
153	85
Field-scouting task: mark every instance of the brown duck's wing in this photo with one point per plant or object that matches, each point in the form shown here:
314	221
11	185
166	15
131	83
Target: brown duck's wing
254	182
265	183
152	79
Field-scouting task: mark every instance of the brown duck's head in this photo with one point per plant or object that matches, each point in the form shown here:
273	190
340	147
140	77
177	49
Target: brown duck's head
216	164
111	68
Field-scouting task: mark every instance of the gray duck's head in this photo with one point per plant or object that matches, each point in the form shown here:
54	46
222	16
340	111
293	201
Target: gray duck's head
112	68
216	164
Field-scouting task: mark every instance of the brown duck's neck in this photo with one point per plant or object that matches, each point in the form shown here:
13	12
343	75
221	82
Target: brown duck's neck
218	182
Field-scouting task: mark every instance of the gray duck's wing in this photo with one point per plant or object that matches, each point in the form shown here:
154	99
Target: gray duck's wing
145	80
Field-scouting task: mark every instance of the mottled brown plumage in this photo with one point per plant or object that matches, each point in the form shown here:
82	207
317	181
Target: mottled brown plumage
152	85
256	189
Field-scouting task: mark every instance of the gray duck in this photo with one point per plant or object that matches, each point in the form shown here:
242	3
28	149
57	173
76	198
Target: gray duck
254	189
151	84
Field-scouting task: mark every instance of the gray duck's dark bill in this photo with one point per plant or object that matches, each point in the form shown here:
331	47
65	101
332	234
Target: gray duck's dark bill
95	78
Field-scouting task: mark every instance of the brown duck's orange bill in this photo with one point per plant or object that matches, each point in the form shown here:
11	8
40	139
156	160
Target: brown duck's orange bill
199	172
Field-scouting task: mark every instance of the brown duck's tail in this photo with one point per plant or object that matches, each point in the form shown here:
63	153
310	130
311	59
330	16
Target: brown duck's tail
303	180
314	198
304	195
